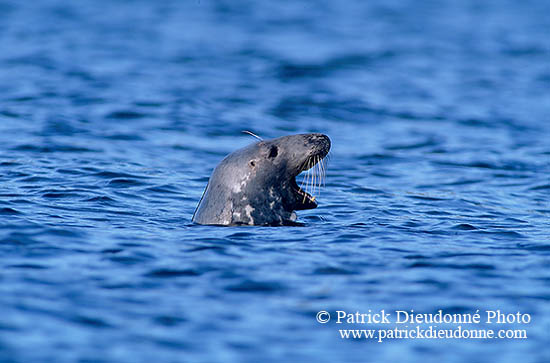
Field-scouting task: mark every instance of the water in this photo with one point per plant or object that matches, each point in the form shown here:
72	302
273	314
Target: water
113	115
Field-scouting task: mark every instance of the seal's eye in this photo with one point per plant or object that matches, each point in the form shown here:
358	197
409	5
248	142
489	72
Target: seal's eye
273	152
252	163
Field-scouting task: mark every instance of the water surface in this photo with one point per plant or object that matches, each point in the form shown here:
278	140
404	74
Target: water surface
113	115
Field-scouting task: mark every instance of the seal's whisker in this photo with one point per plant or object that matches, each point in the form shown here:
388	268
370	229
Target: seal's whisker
318	172
301	187
306	178
320	175
322	166
314	178
322	183
252	134
325	167
310	176
318	167
314	172
302	183
324	172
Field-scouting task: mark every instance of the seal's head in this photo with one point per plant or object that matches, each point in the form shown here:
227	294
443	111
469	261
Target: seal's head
256	185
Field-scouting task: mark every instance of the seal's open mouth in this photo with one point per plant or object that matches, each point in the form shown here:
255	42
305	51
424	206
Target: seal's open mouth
304	199
311	183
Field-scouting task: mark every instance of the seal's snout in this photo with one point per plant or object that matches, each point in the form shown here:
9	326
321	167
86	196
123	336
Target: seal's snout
324	140
320	144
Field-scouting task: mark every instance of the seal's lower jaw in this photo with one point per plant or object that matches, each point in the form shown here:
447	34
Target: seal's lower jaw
303	199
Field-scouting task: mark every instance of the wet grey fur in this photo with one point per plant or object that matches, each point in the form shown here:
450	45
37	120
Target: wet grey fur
256	185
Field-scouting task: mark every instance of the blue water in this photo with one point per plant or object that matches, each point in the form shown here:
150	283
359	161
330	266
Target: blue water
114	113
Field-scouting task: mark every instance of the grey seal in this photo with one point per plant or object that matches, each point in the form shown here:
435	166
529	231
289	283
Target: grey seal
256	185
